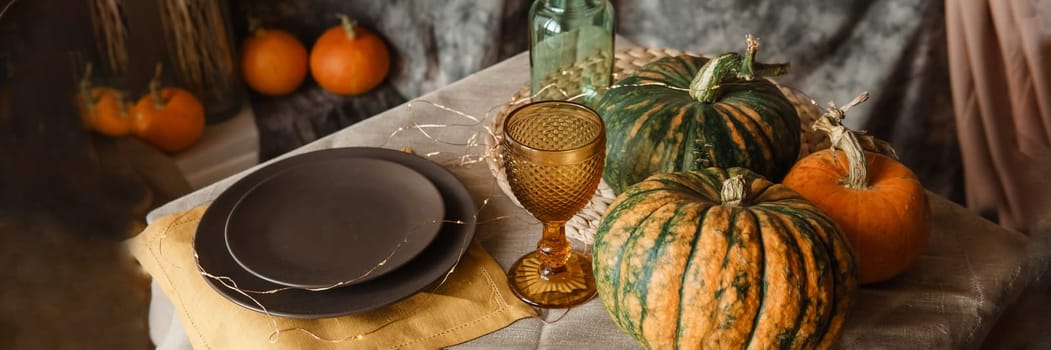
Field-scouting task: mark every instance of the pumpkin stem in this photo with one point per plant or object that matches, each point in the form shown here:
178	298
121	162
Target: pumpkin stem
348	25
155	88
746	71
254	26
85	87
864	96
705	84
846	140
732	65
750	69
123	107
735	191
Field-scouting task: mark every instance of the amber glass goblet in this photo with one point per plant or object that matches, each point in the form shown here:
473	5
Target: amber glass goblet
553	153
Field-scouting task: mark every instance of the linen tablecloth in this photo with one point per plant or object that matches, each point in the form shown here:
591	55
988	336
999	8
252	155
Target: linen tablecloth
971	271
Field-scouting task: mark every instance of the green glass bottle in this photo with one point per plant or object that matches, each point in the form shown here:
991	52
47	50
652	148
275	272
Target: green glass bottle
570	49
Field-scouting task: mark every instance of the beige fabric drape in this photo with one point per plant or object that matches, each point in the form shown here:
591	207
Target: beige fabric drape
1000	70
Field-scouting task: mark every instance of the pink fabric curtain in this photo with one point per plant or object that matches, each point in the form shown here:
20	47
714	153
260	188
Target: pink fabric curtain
1000	70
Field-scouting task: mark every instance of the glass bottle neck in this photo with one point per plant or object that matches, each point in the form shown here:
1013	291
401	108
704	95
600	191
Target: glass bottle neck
572	4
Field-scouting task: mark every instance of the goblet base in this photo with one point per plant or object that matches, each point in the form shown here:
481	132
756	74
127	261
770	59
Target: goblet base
572	286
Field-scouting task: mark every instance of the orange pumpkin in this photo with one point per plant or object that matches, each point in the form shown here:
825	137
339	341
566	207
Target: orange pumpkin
105	111
878	203
273	62
170	119
349	59
102	109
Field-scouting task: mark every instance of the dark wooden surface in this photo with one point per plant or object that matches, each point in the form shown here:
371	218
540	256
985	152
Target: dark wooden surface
67	197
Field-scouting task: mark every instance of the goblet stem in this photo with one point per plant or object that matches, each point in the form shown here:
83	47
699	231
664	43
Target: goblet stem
553	248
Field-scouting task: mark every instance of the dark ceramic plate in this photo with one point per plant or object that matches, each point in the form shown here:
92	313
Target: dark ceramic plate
333	221
428	267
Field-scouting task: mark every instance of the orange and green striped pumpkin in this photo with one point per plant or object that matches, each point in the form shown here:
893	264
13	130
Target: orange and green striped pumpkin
722	259
681	113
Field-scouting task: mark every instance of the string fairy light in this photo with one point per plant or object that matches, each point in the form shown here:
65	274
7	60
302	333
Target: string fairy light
274	337
471	142
159	241
469	154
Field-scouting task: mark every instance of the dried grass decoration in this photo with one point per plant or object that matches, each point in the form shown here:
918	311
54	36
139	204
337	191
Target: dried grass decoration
202	56
111	31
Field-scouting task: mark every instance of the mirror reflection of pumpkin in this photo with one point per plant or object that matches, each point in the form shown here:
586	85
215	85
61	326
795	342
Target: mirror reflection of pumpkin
273	61
349	59
103	110
168	118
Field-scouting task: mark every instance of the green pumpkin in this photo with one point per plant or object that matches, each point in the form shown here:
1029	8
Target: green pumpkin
683	112
722	259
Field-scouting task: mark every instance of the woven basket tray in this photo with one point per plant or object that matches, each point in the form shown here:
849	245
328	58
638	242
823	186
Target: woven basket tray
582	226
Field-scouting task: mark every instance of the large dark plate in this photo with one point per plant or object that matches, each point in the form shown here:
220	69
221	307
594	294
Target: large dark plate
332	221
428	267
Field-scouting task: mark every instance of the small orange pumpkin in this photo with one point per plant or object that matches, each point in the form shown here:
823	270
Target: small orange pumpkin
170	118
273	62
102	109
348	59
878	203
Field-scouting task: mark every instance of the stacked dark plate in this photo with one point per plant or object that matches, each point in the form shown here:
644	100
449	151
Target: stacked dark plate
337	231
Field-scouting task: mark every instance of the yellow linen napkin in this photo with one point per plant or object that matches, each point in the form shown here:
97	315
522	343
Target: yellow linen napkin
474	301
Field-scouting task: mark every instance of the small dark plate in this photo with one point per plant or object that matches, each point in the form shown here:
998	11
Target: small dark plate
332	222
428	267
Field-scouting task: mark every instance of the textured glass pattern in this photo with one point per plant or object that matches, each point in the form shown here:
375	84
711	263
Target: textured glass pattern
554	152
551	191
553	129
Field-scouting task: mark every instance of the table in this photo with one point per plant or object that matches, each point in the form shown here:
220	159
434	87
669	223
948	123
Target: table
224	149
971	271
